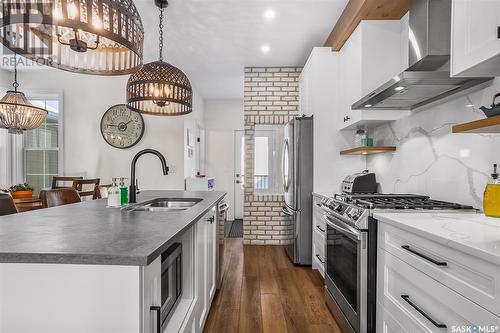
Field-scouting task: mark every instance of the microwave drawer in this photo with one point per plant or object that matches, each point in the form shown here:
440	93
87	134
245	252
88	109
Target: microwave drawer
417	301
472	277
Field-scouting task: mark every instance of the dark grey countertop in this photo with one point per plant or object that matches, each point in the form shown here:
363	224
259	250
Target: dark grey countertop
90	233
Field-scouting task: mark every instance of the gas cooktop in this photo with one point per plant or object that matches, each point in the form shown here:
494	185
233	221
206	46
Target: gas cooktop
398	201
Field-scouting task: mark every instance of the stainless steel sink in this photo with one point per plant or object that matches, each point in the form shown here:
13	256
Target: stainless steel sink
164	205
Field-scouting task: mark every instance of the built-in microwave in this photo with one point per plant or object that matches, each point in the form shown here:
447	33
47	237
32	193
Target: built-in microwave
171	285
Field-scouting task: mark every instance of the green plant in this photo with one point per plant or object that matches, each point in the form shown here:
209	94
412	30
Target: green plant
20	187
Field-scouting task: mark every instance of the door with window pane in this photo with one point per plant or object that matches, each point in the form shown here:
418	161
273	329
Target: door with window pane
41	148
268	143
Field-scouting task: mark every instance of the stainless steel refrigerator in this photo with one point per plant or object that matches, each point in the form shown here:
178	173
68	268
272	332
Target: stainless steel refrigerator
297	171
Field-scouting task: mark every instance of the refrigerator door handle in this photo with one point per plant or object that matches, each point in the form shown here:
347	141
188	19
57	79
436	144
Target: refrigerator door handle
285	177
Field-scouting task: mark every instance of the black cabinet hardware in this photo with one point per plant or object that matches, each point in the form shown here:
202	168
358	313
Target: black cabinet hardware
211	219
319	258
320	229
498	32
435	262
346	119
429	318
157	309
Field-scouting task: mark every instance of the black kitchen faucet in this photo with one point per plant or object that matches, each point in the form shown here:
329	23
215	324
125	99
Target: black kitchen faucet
132	188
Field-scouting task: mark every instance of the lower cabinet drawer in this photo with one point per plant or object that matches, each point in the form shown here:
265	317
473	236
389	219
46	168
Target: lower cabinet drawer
419	303
472	277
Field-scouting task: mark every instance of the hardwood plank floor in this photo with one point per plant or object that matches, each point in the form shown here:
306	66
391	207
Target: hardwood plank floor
264	292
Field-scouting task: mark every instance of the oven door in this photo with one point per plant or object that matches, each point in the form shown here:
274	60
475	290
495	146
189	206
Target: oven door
346	268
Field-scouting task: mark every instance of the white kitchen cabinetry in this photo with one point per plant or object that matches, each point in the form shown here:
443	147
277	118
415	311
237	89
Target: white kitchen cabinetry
422	285
475	38
198	280
318	244
205	269
371	56
319	96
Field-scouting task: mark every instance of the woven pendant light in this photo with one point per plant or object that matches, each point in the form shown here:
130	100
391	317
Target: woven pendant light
159	88
103	37
17	114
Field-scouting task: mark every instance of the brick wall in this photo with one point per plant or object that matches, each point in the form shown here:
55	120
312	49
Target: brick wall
271	97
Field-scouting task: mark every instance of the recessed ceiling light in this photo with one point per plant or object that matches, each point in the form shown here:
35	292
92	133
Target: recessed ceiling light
469	105
399	88
368	105
270	14
265	48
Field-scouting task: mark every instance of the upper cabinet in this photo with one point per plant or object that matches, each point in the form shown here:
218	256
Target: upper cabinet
373	54
475	34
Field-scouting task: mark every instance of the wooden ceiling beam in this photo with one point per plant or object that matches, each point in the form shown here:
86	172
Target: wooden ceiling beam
357	10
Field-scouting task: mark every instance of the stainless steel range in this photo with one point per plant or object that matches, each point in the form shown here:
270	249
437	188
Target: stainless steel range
351	250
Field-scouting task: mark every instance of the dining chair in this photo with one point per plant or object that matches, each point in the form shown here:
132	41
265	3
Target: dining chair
103	191
59	197
57	180
7	205
82	186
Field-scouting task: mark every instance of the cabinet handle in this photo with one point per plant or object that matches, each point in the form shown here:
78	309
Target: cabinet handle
211	219
435	262
319	258
158	316
346	119
321	229
429	318
498	32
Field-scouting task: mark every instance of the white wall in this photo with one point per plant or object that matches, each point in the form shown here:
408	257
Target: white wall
86	98
5	79
222	118
193	122
431	160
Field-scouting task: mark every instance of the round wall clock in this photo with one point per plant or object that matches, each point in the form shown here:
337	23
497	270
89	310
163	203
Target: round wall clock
122	127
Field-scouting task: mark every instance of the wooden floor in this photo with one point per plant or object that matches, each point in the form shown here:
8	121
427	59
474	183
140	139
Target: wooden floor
263	291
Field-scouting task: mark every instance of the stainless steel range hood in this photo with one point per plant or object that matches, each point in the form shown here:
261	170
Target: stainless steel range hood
427	80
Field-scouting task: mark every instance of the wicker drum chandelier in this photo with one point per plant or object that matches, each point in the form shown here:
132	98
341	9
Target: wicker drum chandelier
17	114
103	37
159	88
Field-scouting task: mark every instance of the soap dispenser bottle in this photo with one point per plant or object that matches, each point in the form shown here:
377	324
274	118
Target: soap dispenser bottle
114	194
123	192
491	201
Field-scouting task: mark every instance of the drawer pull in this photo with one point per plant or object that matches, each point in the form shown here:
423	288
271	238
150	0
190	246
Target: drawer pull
319	258
435	262
157	309
429	318
320	229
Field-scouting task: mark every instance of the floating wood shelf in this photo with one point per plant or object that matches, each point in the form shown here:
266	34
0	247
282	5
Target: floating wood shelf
368	150
487	125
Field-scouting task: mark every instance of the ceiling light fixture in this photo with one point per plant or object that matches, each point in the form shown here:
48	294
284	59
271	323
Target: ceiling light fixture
368	105
399	88
265	48
159	88
103	37
17	114
270	14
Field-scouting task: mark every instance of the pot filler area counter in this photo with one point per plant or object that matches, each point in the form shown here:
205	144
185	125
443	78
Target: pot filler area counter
87	268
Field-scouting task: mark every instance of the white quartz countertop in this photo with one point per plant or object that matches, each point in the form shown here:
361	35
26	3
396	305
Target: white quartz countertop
475	234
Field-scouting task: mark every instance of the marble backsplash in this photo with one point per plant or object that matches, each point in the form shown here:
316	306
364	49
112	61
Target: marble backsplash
430	159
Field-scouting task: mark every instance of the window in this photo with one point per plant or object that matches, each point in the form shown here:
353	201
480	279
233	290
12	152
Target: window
41	147
267	154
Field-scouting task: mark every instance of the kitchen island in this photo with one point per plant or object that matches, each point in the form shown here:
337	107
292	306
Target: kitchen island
87	268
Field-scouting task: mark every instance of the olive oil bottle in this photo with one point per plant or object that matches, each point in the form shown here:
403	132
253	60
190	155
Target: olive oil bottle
491	201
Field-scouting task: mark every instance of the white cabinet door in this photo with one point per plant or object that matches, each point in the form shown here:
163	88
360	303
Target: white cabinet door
475	38
370	57
205	269
211	225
